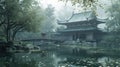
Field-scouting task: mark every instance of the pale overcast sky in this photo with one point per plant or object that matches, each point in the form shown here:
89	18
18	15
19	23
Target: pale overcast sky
64	12
60	7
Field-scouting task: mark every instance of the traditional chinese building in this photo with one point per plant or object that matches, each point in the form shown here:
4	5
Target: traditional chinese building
81	26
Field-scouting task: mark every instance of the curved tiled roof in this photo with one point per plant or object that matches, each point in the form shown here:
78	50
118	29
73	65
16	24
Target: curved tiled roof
82	16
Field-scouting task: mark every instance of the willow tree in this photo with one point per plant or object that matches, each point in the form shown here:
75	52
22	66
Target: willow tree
19	15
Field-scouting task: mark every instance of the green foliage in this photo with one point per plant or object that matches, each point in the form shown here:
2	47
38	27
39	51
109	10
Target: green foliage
49	24
86	4
114	63
87	62
114	14
111	40
7	63
2	38
19	15
92	62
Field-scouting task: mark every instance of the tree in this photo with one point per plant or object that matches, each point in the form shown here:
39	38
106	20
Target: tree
113	25
19	15
49	24
86	4
112	40
113	11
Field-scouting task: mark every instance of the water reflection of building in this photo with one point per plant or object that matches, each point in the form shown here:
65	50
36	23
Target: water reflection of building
81	26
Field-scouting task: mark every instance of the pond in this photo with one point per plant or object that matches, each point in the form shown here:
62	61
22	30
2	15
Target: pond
60	56
52	60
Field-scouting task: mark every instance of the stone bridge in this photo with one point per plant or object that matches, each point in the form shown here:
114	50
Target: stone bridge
42	40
